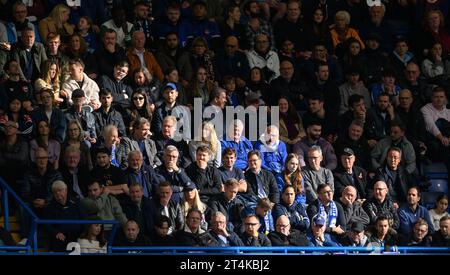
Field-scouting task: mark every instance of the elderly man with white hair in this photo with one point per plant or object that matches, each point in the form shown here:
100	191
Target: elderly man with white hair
273	150
284	235
241	144
62	207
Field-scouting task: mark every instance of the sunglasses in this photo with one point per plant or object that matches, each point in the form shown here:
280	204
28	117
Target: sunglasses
138	98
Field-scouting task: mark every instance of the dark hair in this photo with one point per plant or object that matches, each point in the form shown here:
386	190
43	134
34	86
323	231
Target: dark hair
292	112
254	152
355	98
145	111
316	96
203	148
104	92
101	236
322	186
165	184
228	151
320	64
438	89
76	61
399	124
161	219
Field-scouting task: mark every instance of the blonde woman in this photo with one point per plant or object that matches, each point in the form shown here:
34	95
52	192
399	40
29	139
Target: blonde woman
191	200
50	79
56	22
209	138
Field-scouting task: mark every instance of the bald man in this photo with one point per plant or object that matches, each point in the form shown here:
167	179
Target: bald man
352	208
233	62
285	236
381	205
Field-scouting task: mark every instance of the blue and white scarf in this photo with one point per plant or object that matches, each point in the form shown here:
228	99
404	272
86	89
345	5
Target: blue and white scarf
331	216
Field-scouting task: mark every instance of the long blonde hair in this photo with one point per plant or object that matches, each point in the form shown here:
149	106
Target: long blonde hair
198	204
55	82
213	140
56	12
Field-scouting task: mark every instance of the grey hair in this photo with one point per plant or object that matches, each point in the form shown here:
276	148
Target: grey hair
170	148
108	128
343	14
315	148
135	152
217	214
58	184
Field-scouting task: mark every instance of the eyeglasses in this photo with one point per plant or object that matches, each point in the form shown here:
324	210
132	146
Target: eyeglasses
138	98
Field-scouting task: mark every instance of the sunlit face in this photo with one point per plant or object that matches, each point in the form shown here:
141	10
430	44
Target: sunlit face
292	165
131	231
289	196
112	137
325	195
120	72
420	231
136	194
355	132
350	194
254	162
165	193
168	130
252	225
138	100
135	161
219	223
413	197
229	160
142	132
170	159
76	71
170	96
193	220
202	157
380	191
139	78
382	227
283	226
95	190
314	159
106	100
347	161
53	44
393	159
52	71
442	205
189	194
230	192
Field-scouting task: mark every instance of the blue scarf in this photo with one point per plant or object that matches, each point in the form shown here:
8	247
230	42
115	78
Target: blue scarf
331	216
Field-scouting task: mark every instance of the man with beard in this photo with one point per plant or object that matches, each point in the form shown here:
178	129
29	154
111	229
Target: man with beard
256	24
378	120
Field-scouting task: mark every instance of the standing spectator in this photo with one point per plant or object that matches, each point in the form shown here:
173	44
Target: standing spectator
314	174
295	212
285	236
440	211
251	236
381	205
409	213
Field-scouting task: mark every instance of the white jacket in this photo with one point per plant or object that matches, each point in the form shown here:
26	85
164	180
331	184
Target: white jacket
89	87
271	61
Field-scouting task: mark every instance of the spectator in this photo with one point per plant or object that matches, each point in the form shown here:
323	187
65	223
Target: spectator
19	23
314	174
140	140
145	84
260	182
285	236
353	211
342	31
251	236
50	79
120	26
231	26
30	55
167	206
318	237
295	212
420	236
191	200
378	119
292	176
440	211
291	125
79	80
409	213
143	22
132	236
255	24
382	233
77	48
139	172
419	87
92	240
381	205
263	57
316	113
436	67
52	114
356	236
440	237
434	31
200	87
62	207
202	26
107	114
111	141
353	85
234	139
350	175
375	54
159	235
85	28
16	87
387	86
232	61
43	140
378	26
208	138
191	234
316	31
227	170
139	209
321	54
353	58
219	231
396	139
401	55
331	211
109	53
57	22
313	132
356	111
55	54
137	53
201	56
273	151
74	173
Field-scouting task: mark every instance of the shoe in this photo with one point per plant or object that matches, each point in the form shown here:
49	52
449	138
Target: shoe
23	242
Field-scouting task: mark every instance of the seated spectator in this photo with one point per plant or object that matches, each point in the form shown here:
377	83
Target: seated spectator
291	125
146	85
378	26
437	117
419	87
356	236
75	137
140	58
57	22
331	211
139	209
74	173
341	32
62	207
419	236
141	107
395	176
84	117
110	140
200	87
387	86
353	86
50	79
321	54
313	138
92	240
109	53
353	61
295	212
434	31
382	233
131	236
440	211
317	236
171	136
375	55
172	173
119	24
191	200
144	21
80	47
349	174
79	80
257	85
219	231
410	212
142	174
52	114
208	138
120	91
159	236
102	204
227	170
317	113
292	176
263	57
201	56
381	205
314	174
353	211
356	111
234	139
112	178
19	21
140	140
441	236
285	236
378	119
273	151
401	55
192	234
16	88
108	115
251	235
260	183
165	205
229	204
395	139
206	177
55	55
436	66
43	140
353	139
202	26
232	61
